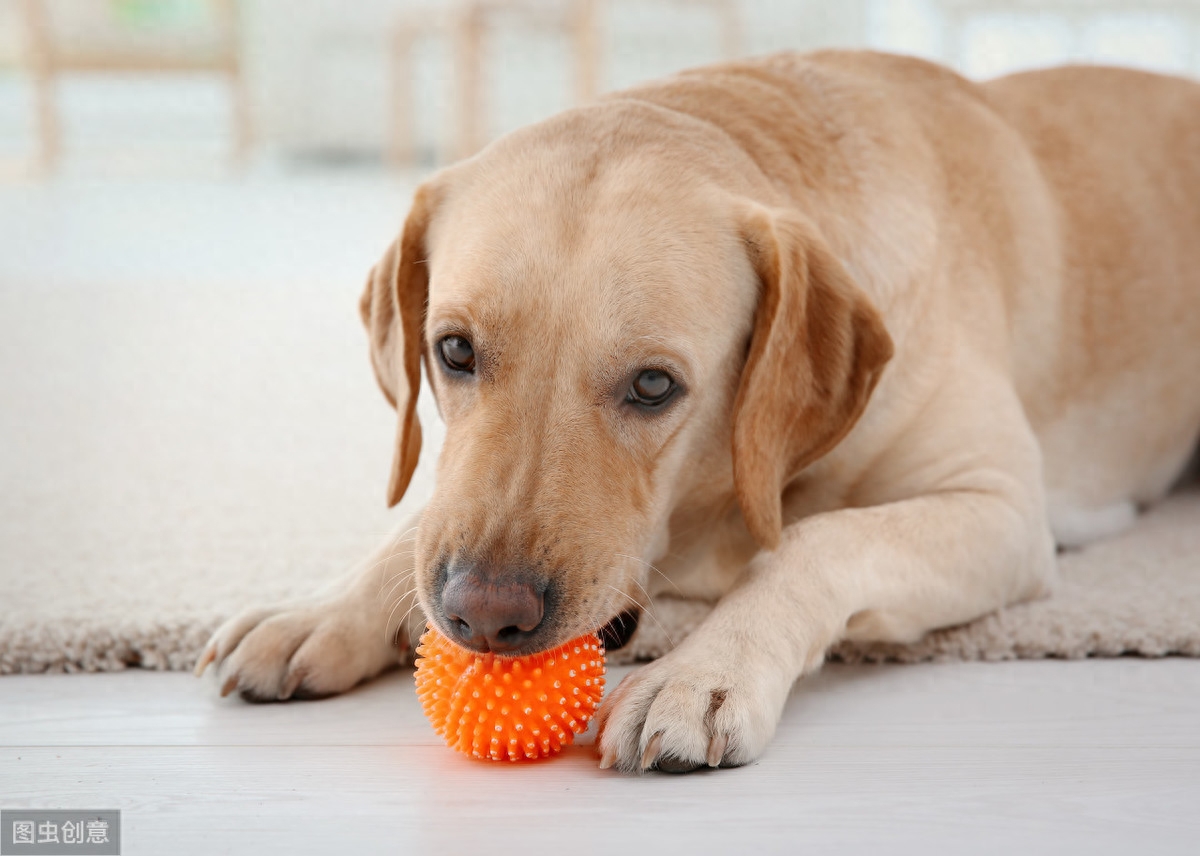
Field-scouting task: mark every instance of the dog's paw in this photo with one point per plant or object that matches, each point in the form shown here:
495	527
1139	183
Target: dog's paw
681	713
304	650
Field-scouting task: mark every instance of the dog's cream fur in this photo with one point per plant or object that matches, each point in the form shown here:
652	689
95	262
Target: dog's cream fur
925	328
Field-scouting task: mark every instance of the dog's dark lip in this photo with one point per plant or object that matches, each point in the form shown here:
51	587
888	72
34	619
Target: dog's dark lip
613	636
619	630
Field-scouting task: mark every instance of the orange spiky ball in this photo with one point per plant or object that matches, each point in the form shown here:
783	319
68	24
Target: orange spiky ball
509	708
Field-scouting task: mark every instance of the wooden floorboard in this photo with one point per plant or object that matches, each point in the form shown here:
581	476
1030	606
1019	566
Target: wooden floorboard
1034	757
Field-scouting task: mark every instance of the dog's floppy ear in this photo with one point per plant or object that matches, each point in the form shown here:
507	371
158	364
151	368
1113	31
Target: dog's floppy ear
393	310
817	350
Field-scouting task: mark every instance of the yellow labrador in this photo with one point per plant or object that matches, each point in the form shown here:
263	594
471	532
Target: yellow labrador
840	344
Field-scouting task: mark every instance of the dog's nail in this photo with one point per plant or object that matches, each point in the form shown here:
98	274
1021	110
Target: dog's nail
229	686
210	654
289	686
653	748
608	759
716	749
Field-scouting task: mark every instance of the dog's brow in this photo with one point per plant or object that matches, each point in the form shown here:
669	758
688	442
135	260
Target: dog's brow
677	356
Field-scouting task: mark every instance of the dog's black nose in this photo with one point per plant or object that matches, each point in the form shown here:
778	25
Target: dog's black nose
492	612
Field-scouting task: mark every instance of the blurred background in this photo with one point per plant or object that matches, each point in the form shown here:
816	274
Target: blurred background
192	193
134	84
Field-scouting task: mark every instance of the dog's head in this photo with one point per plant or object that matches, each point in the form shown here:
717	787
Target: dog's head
613	337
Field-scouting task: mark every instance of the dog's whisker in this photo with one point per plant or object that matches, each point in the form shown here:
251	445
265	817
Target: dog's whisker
387	577
388	632
649	612
643	588
646	608
391	585
396	576
649	599
412	606
653	568
395	585
386	561
396	542
634	576
407	535
404	537
621	619
398	573
391	556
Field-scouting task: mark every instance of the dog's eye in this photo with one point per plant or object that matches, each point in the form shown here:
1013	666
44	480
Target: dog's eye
457	354
651	388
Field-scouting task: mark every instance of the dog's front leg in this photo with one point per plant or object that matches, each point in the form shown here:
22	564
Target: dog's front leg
326	643
891	572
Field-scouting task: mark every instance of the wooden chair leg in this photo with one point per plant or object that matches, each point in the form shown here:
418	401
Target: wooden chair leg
731	28
42	66
401	148
243	130
468	37
239	99
49	127
585	26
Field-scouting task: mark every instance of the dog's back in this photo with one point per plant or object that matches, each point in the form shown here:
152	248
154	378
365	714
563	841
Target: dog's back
1118	411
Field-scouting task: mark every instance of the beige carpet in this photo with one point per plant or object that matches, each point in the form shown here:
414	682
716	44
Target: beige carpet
171	455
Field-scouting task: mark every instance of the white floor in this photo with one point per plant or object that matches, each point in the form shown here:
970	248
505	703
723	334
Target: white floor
1029	757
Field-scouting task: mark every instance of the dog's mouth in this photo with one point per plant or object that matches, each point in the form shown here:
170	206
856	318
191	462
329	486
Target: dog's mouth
617	633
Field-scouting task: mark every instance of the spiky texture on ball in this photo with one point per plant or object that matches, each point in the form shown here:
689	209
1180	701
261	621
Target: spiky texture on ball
509	708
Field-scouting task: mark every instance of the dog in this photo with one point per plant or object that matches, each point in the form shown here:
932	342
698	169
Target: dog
841	346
